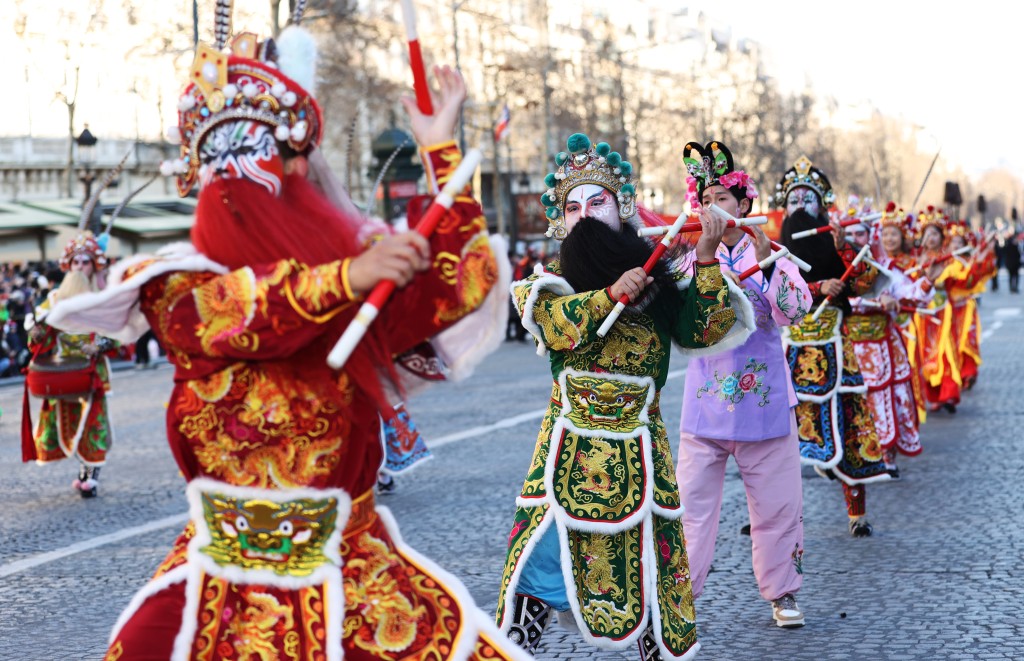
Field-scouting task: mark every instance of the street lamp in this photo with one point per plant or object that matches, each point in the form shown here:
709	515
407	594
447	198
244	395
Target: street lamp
86	142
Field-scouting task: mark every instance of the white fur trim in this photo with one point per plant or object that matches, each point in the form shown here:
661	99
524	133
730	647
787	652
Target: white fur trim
159	584
472	615
187	632
651	566
513	581
574	599
467	343
745	324
546	281
322	574
297	56
114	311
70	448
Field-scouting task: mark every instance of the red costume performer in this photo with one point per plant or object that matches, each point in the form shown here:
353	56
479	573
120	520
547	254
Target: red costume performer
286	554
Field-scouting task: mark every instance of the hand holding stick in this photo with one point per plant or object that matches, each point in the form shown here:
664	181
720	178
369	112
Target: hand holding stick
722	213
846	276
659	250
383	290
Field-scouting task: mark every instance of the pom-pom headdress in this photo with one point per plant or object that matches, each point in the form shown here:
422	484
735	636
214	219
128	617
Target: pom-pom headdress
712	165
258	81
804	174
84	243
893	217
586	163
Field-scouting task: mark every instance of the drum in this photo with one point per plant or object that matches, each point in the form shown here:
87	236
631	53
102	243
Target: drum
68	378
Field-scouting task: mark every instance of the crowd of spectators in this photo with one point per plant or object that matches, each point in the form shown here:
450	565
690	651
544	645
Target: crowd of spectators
23	286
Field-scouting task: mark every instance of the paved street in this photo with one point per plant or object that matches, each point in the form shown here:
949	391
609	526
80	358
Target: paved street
943	577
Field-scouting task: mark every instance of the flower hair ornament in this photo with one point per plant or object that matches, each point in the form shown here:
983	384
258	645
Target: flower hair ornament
712	165
267	82
931	217
803	173
586	163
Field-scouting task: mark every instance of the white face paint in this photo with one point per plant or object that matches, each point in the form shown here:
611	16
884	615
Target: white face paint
593	201
804	198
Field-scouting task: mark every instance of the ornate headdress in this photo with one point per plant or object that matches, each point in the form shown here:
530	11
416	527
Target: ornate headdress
894	217
265	82
84	243
931	217
712	165
958	228
585	163
804	174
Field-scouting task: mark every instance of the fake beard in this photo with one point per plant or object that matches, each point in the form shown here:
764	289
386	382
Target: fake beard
74	283
594	256
819	250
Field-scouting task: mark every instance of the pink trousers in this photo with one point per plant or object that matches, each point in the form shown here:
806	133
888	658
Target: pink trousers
771	475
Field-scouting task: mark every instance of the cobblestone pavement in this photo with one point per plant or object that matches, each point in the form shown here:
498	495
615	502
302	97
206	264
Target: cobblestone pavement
943	577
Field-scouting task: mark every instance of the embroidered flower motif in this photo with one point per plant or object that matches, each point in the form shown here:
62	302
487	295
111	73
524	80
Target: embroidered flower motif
691	193
732	388
798	559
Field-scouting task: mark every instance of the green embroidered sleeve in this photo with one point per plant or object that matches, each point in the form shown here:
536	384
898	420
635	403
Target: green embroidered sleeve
563	321
705	316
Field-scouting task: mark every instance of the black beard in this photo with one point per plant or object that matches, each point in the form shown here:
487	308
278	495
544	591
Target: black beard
819	250
594	256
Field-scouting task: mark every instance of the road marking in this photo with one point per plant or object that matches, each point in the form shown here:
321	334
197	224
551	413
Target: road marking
89	544
178	519
1006	312
507	422
996	325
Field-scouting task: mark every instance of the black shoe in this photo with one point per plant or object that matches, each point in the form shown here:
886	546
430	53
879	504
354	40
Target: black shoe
529	618
860	527
894	472
745	530
950	407
386	488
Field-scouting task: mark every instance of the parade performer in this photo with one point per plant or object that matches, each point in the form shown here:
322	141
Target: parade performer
837	435
76	424
597	531
286	552
956	281
740	403
881	352
964	294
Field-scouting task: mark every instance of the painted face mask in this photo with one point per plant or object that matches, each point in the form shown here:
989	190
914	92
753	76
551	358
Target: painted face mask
242	150
593	201
805	198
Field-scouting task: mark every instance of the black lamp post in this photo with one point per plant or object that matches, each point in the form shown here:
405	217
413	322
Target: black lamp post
86	157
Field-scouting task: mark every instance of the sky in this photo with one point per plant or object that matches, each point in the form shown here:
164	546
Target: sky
952	68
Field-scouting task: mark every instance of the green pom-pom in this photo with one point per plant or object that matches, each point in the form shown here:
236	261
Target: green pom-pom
552	213
547	200
560	158
603	148
628	189
626	167
613	159
578	143
550	180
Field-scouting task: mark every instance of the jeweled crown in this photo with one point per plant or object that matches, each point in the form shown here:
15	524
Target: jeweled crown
586	163
803	173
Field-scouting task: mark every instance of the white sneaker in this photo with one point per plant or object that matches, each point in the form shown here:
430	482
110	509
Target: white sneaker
786	611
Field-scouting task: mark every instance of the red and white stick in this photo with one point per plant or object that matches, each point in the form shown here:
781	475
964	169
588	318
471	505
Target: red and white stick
659	250
800	264
383	290
419	71
870	218
846	276
695	226
941	259
765	263
927	312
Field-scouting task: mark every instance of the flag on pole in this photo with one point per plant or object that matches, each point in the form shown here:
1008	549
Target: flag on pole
501	125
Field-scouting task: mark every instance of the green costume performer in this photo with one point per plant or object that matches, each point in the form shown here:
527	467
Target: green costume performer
72	427
597	530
